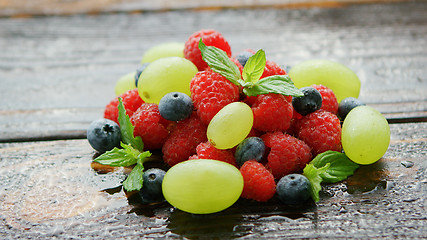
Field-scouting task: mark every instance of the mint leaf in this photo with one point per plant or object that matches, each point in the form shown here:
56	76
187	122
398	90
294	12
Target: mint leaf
254	67
116	158
340	166
126	129
314	176
280	84
220	63
134	180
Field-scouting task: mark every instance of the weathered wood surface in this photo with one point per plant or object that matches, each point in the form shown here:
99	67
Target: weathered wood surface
51	190
29	8
57	73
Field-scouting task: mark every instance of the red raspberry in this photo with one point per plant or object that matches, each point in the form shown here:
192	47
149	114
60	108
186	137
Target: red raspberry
259	183
272	112
210	92
131	101
206	150
321	130
209	38
183	140
150	126
329	101
286	154
271	68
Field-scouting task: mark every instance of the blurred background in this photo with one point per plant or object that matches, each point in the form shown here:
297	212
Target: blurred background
56	7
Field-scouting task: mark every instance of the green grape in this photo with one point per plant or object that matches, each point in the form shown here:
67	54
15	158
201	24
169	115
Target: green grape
202	186
365	135
342	80
170	49
171	74
230	125
125	83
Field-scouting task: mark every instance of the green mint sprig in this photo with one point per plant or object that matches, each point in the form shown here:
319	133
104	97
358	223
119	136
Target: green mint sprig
329	166
250	80
131	153
126	129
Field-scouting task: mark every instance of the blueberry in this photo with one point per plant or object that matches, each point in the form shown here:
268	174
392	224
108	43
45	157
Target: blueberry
252	148
151	190
243	57
103	135
139	71
346	105
310	102
293	189
175	106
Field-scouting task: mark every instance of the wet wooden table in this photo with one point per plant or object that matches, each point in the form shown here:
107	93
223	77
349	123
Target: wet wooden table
58	71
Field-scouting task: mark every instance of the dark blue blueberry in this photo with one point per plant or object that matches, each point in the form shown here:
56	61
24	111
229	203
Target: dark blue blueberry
103	135
151	190
252	148
243	57
346	105
175	106
293	189
139	71
310	102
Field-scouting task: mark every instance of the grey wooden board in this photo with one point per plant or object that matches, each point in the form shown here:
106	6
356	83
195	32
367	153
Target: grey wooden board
57	73
52	190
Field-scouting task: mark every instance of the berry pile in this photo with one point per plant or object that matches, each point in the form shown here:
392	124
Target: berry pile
243	111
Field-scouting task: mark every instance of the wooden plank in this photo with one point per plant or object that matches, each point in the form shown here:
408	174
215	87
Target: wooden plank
57	73
52	190
23	8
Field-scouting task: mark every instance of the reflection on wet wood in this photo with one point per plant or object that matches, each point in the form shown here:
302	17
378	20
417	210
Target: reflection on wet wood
51	188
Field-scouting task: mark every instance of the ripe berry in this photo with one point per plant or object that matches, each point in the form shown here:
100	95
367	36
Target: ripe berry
131	101
286	154
272	68
272	112
243	56
209	38
293	189
210	92
206	150
175	106
138	72
321	131
259	183
346	105
103	135
252	148
329	100
183	140
310	102
150	126
151	190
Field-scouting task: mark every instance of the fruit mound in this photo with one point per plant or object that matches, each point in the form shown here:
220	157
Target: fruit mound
242	111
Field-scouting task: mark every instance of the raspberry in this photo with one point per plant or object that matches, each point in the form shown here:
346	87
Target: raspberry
287	154
209	38
206	150
271	68
131	101
150	126
183	140
272	112
321	130
210	92
329	101
259	183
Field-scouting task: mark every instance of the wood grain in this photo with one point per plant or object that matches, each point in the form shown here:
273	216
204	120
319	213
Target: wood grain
57	73
385	200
